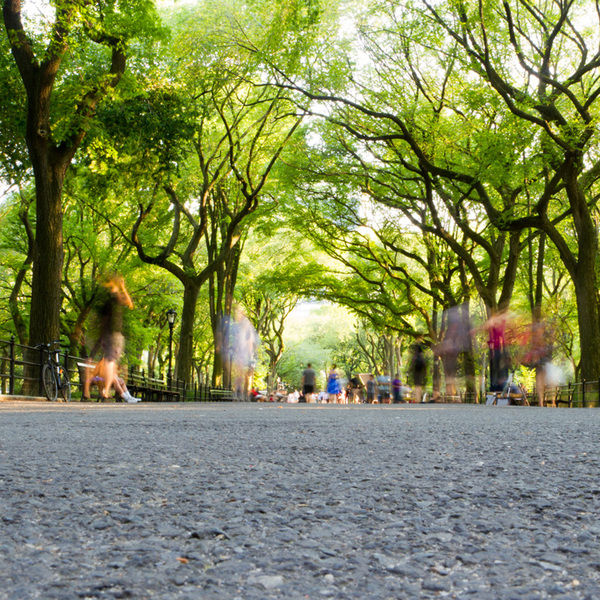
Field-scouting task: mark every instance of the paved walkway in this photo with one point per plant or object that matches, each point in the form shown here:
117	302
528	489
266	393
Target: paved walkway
252	501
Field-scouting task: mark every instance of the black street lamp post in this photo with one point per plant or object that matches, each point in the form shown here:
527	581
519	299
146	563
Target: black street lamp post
171	315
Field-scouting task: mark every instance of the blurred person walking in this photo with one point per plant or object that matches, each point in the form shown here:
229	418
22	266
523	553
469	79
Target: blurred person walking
308	383
397	389
110	340
418	370
372	391
333	385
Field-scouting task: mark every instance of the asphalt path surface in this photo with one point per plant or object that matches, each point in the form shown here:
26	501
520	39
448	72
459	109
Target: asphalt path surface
256	501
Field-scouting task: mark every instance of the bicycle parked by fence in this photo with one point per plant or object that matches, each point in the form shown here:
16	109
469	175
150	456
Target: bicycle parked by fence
54	376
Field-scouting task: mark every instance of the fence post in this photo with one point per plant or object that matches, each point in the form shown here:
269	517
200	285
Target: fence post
41	381
11	367
583	393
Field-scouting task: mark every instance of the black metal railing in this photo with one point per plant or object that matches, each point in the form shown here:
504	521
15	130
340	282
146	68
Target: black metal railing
21	369
585	394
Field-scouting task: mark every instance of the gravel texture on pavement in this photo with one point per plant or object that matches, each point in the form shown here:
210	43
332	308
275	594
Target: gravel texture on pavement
257	501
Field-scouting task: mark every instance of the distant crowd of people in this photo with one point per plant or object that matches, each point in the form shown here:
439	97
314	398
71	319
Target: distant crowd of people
358	389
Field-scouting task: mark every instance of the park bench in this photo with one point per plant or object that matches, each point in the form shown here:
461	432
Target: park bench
151	389
557	395
222	395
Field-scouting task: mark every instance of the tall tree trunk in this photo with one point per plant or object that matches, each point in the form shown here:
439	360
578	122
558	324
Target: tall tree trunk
48	257
510	272
218	370
191	290
221	287
584	275
589	321
217	321
468	355
48	251
586	289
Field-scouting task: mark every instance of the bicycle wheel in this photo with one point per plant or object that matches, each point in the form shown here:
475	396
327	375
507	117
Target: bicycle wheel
50	387
64	384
